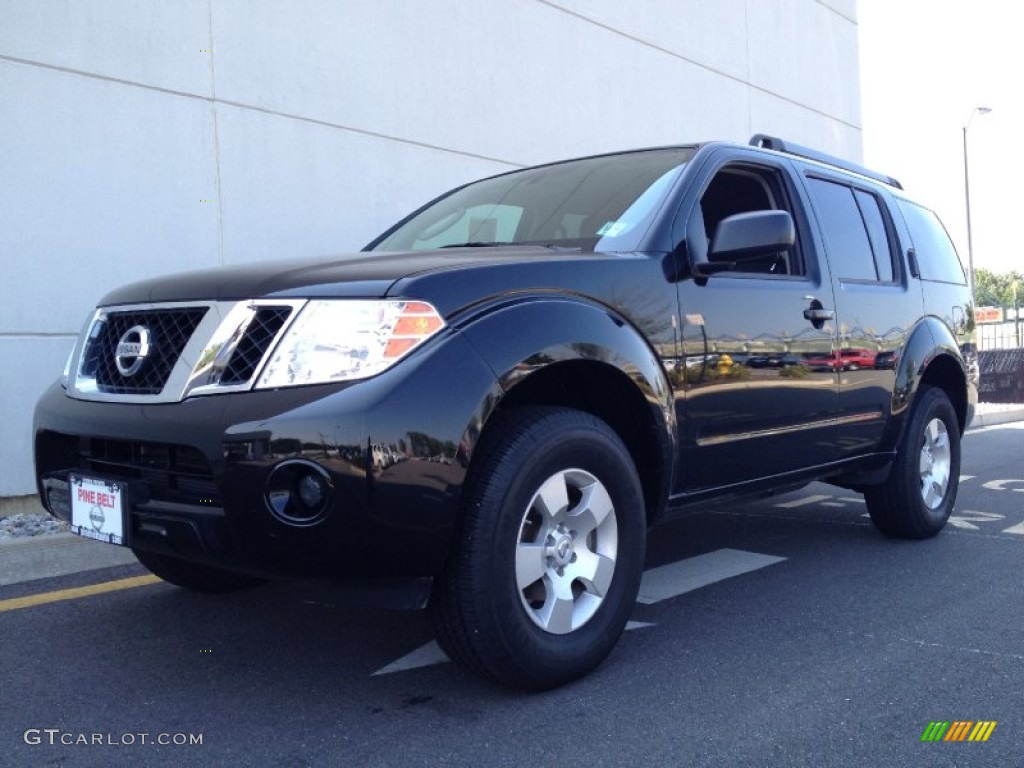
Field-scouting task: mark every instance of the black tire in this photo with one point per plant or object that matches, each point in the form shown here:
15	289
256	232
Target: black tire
489	613
917	499
200	578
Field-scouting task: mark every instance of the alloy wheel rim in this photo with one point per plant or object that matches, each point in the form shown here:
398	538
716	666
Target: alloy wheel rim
935	463
566	551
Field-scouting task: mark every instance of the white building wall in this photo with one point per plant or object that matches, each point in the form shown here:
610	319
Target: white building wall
140	137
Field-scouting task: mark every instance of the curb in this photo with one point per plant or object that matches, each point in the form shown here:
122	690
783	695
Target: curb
25	505
992	418
58	554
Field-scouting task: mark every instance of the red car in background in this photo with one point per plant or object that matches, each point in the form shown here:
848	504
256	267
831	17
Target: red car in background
846	359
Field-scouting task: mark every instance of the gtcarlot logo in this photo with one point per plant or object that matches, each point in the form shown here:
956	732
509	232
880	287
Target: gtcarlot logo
958	730
55	736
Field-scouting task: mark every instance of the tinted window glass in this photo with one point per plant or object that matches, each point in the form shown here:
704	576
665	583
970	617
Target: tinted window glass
849	250
870	209
480	223
936	255
605	203
743	189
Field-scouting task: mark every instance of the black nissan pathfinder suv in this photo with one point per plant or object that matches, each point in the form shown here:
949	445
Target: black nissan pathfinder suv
484	412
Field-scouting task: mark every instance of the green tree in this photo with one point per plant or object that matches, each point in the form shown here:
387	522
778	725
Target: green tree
993	289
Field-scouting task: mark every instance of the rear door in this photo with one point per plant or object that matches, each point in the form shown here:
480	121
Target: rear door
748	407
877	304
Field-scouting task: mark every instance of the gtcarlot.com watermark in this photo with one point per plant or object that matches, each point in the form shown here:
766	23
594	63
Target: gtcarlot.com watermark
57	736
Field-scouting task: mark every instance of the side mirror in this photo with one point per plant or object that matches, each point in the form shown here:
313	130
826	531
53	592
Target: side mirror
745	236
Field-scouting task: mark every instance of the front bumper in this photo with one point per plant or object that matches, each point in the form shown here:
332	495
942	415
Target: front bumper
394	449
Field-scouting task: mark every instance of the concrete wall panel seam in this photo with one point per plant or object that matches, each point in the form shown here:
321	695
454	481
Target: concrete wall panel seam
216	133
676	55
264	110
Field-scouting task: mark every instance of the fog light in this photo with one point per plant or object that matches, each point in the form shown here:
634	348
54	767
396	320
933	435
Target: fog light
312	490
299	492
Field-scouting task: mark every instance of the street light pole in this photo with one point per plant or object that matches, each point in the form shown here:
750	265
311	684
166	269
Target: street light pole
1016	316
967	198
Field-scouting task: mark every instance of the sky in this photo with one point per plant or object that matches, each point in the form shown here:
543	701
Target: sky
925	67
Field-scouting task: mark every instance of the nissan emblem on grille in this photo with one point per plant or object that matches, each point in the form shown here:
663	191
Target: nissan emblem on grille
132	350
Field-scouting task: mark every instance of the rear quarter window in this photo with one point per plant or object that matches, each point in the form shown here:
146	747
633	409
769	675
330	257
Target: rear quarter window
854	229
936	257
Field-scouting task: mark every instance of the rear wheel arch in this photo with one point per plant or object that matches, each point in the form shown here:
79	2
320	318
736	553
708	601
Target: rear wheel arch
946	373
929	358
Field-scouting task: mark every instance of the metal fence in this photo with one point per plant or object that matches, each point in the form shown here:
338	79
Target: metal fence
1002	375
1005	335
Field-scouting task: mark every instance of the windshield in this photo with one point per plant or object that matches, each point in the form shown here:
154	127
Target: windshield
600	203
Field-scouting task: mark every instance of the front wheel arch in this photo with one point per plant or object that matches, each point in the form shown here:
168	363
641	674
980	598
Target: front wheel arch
576	353
611	396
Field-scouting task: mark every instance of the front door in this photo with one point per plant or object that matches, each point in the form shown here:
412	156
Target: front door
749	404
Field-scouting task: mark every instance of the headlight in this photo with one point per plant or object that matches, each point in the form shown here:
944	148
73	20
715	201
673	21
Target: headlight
343	340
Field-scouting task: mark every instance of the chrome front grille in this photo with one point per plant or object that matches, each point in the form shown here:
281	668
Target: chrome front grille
168	332
158	353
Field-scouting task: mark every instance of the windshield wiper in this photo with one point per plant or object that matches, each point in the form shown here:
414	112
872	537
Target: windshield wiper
476	244
483	244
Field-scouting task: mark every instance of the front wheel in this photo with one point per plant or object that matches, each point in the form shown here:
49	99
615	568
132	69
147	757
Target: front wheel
917	499
200	578
549	551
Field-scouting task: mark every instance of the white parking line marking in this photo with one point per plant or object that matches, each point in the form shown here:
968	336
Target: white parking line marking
424	656
804	501
431	654
658	584
1017	529
638	625
695	572
968	518
843	501
1000	485
967	477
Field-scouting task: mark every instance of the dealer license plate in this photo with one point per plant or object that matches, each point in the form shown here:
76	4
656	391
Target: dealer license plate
97	509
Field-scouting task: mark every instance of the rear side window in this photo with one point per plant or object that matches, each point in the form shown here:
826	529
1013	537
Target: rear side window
871	211
936	257
855	231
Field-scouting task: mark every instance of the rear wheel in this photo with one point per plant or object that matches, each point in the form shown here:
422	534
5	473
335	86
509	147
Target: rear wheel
200	578
917	499
549	551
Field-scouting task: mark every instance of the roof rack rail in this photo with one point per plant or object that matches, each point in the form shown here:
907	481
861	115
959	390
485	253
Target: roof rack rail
789	148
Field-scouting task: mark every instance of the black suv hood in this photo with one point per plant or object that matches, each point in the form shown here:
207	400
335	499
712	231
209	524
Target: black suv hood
349	276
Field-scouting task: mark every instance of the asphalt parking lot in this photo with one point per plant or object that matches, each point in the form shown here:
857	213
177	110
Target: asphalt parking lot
784	631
